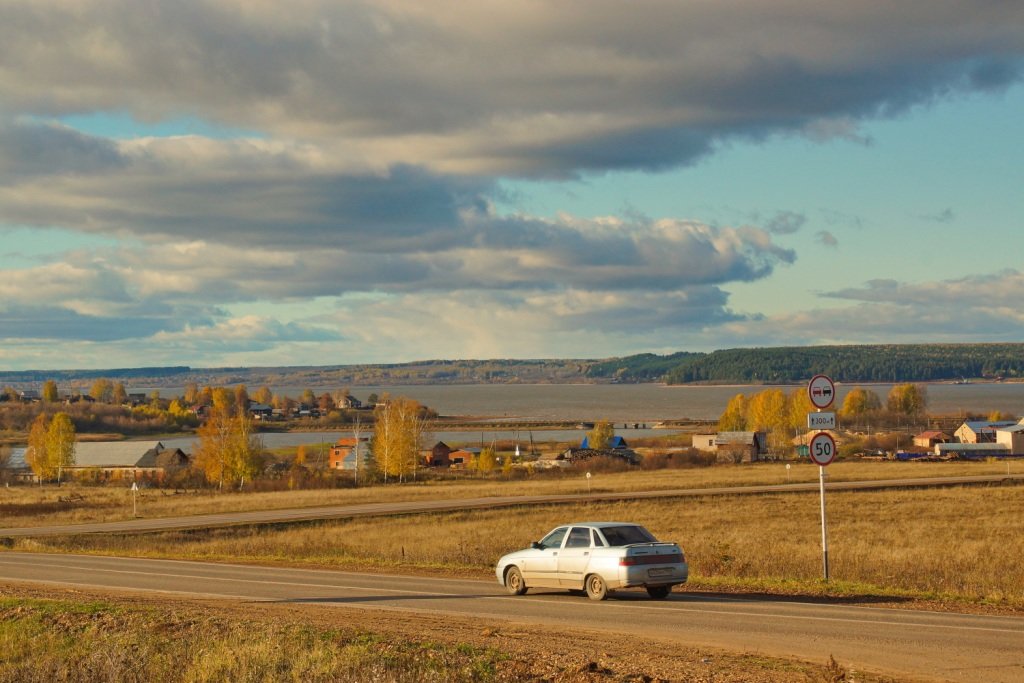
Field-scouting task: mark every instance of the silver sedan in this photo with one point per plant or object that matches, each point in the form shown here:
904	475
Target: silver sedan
596	557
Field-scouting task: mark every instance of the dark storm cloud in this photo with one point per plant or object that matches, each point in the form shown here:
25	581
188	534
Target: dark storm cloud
519	88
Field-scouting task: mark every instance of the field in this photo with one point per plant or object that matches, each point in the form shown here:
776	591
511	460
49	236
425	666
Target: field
81	637
960	546
25	506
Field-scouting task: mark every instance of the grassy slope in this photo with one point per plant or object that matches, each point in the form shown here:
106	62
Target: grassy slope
956	545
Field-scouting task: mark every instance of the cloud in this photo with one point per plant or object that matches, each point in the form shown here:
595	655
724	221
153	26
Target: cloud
945	216
537	88
785	223
827	238
996	291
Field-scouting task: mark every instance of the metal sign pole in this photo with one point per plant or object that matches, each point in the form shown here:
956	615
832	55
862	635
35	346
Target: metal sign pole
824	531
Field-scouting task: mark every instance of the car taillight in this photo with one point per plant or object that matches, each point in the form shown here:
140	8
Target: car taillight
627	561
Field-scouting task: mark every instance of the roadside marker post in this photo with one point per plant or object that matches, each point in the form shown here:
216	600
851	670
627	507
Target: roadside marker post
135	491
821	390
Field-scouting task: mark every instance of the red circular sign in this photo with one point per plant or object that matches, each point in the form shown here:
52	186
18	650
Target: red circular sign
822	449
821	391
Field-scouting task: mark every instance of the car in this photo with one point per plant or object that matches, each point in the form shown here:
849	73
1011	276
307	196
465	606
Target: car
596	557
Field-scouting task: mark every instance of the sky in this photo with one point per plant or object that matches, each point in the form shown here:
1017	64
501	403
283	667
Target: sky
256	183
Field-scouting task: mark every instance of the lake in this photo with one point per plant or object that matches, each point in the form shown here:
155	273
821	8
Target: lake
648	403
619	403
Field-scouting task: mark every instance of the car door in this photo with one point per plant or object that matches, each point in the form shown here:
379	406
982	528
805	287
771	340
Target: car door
574	558
540	567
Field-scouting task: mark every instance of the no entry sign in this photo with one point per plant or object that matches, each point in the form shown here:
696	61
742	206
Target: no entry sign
821	391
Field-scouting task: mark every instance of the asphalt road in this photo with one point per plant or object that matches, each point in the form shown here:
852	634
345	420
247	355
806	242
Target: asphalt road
983	649
397	508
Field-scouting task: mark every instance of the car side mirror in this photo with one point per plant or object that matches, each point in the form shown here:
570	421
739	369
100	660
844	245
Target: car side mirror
536	545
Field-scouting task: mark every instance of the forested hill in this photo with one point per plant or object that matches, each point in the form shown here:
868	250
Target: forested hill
784	365
861	363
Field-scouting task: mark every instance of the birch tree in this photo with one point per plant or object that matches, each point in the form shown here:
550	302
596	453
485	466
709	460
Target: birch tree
397	437
60	443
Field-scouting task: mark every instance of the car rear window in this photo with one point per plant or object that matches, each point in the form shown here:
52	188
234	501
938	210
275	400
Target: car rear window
626	535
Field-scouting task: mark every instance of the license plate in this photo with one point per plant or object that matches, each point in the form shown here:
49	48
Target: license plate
660	571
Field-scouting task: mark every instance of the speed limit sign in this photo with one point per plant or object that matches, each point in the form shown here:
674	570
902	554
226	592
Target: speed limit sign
823	448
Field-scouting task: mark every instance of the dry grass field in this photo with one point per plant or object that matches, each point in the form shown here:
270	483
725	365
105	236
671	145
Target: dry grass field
963	545
50	635
22	506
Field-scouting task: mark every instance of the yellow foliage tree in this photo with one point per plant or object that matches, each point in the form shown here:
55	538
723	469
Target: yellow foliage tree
35	454
227	450
907	399
600	437
734	419
860	402
397	435
487	461
60	443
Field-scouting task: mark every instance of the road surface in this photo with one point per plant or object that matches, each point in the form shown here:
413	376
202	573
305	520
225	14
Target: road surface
414	507
953	647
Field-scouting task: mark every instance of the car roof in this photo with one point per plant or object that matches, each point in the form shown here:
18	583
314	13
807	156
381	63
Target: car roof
601	525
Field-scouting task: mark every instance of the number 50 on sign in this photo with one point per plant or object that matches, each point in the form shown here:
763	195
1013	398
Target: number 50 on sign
822	448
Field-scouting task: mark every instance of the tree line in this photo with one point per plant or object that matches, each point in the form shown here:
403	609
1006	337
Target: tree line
783	416
882	363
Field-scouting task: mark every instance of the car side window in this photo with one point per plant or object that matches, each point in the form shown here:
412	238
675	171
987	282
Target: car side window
579	537
598	541
554	539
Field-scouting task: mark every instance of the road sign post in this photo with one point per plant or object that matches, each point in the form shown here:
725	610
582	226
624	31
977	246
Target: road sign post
821	390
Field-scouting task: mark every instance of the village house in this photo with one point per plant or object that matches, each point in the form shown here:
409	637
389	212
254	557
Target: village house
463	457
1012	438
734	446
980	431
349	453
131	460
439	455
928	439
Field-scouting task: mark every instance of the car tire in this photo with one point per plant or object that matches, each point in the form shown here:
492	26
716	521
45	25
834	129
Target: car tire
597	589
659	592
514	582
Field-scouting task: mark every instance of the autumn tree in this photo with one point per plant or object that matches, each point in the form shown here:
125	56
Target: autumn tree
768	411
51	445
264	395
119	396
102	390
734	419
799	406
600	437
308	398
228	451
35	454
60	443
397	435
241	398
486	461
50	393
907	399
191	393
860	402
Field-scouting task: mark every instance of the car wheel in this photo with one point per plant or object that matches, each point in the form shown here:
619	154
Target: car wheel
597	589
659	592
514	583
